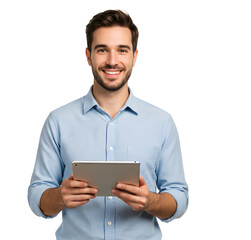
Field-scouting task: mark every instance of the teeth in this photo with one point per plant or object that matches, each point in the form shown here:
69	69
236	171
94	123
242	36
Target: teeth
112	72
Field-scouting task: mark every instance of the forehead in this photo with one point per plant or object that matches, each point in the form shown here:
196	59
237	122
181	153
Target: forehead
112	36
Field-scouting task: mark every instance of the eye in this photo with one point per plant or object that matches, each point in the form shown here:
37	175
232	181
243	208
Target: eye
101	50
123	51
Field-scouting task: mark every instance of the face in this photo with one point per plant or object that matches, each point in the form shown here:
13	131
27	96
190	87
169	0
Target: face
112	57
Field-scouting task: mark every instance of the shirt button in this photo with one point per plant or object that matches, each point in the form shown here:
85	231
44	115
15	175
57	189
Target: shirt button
110	197
111	148
110	123
109	223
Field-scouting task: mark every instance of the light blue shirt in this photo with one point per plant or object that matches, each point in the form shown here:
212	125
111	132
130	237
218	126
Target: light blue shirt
82	130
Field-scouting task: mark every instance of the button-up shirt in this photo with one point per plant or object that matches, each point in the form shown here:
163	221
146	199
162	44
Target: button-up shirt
82	130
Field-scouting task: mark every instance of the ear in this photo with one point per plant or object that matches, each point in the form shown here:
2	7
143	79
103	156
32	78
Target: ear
135	57
88	56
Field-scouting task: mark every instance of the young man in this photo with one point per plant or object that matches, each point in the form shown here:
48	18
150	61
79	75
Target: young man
111	124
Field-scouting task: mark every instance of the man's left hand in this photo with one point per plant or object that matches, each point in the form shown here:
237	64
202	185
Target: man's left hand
138	198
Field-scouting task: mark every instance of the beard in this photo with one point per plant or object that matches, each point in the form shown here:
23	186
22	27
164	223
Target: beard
100	81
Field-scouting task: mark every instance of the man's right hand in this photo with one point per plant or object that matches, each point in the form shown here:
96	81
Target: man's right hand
76	193
70	194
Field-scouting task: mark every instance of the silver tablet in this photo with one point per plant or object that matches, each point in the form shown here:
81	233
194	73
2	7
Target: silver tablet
104	175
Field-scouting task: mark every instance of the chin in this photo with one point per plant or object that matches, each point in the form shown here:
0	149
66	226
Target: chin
112	88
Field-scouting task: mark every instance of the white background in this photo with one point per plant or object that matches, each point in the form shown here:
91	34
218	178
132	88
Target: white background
194	62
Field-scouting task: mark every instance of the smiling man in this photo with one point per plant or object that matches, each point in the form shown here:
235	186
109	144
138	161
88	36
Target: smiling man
110	124
111	61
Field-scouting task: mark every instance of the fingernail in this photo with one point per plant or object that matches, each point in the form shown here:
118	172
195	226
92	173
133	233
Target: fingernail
119	186
113	191
95	190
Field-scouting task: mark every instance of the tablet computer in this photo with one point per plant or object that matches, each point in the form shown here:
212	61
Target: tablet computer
104	175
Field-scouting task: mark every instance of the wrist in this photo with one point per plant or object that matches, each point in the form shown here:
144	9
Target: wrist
152	199
161	205
60	199
51	202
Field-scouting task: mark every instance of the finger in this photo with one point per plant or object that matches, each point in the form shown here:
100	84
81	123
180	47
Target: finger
126	197
71	177
66	190
68	199
77	203
82	197
129	188
87	190
76	184
135	202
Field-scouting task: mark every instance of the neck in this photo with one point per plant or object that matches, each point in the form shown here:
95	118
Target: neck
110	101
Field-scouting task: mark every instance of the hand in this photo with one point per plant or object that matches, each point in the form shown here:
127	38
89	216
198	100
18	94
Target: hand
76	193
137	198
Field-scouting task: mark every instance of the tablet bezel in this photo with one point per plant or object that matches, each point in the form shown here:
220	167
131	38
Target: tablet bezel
104	175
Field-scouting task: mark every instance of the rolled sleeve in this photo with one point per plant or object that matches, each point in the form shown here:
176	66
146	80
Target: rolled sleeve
181	199
48	168
34	197
171	177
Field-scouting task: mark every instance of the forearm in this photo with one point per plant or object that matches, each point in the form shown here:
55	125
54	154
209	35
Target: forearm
51	202
161	205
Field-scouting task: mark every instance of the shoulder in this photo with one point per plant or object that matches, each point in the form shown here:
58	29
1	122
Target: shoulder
155	118
70	109
147	109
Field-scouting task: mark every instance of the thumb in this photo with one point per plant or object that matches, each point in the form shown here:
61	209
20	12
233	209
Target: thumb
141	181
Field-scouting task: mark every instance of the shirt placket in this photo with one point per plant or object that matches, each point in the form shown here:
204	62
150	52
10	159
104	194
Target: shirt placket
110	210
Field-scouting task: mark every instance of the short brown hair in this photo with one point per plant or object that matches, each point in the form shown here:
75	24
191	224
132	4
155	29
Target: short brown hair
111	18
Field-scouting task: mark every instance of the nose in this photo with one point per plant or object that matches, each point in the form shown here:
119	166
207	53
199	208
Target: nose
112	58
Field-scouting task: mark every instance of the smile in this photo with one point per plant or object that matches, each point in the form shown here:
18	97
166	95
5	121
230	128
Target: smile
112	72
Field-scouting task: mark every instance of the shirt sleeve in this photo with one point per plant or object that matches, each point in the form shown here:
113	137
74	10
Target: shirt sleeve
48	168
170	171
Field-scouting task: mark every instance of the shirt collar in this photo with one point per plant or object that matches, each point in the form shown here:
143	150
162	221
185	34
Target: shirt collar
131	103
90	102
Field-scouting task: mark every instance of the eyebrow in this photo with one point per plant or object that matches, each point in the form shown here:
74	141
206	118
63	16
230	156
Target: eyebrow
100	46
125	46
105	46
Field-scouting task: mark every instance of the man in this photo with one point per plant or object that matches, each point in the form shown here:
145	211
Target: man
109	123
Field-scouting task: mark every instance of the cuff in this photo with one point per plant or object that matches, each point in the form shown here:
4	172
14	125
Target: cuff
34	196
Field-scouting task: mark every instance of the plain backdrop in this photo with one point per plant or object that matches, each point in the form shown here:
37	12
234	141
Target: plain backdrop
194	62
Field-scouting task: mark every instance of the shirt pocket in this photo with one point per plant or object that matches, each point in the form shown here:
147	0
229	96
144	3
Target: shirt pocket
148	158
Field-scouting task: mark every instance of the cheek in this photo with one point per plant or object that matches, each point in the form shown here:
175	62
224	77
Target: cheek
128	62
98	62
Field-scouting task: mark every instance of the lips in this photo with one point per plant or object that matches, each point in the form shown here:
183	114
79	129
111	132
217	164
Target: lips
112	73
